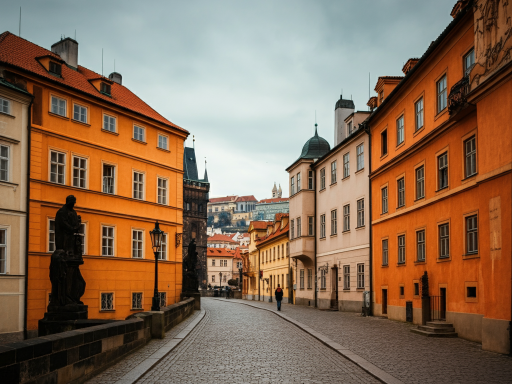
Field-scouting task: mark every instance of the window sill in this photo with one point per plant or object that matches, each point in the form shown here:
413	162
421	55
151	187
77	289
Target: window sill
401	264
139	141
469	178
384	213
360	289
420	262
442	189
9	139
309	289
136	309
418	131
8	184
383	156
385	266
333	184
360	227
470	256
322	238
443	259
8	115
334	235
57	115
345	178
416	297
347	231
107	310
163	149
398	146
322	190
346	289
400	207
440	114
80	122
323	289
107	131
360	171
419	199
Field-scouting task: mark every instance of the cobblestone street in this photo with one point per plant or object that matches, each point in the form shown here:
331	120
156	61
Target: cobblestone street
238	343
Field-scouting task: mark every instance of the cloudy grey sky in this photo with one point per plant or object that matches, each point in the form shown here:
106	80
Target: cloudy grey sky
244	77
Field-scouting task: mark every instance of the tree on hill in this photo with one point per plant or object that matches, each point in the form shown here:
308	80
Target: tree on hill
224	220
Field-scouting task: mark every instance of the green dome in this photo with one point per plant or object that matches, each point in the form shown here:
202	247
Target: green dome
315	147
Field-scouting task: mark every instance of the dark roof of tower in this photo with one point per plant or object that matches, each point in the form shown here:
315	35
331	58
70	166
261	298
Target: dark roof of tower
189	164
342	103
315	147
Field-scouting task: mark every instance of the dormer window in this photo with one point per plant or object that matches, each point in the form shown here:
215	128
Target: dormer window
105	88
55	68
349	126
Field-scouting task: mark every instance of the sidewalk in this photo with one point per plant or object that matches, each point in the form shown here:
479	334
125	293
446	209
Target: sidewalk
391	346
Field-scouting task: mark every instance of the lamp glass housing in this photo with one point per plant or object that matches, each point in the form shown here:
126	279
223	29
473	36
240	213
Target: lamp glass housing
156	237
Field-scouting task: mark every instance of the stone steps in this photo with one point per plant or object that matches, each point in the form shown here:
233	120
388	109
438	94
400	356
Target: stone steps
436	329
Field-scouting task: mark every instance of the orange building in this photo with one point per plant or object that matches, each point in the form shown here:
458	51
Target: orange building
93	138
441	181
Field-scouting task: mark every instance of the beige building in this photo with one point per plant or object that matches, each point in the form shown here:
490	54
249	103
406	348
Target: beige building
252	282
14	111
219	263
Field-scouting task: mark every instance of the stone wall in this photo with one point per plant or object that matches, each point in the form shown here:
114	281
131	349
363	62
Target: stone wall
76	356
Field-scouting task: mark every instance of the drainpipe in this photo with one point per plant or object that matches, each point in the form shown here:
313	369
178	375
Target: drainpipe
314	213
367	129
27	214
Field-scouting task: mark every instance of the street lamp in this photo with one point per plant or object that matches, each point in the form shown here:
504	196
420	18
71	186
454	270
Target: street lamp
156	242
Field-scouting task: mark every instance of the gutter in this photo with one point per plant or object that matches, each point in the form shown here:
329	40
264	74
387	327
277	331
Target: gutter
27	215
367	130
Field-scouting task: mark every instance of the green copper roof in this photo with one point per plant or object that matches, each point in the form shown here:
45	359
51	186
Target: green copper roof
315	147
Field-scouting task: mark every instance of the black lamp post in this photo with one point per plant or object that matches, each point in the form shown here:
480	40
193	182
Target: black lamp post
156	242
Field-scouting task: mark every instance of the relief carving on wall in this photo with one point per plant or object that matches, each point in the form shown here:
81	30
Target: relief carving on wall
493	38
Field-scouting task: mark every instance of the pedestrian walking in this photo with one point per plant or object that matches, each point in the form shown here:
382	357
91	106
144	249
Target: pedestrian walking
279	296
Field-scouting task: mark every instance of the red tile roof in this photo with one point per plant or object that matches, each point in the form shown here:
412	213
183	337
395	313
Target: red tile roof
246	234
220	252
238	255
279	232
258	224
22	54
274	200
217	237
226	199
246	198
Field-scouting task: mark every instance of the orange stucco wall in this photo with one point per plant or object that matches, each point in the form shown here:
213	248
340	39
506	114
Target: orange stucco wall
120	274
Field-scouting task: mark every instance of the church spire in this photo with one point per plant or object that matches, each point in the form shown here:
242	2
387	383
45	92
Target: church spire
205	172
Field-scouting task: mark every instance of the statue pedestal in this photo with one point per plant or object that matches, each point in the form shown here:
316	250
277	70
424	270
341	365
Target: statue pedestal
62	319
195	295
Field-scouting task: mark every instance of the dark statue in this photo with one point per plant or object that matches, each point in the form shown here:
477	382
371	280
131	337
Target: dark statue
190	281
68	285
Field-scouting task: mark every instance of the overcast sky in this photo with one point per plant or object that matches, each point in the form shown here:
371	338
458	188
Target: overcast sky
244	77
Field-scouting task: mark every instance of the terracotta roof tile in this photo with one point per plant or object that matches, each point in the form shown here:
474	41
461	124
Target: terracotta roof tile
226	199
220	252
21	53
246	198
274	200
258	224
218	237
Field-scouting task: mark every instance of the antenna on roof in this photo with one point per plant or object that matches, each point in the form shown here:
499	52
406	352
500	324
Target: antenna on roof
114	65
101	62
368	89
194	141
19	25
75	34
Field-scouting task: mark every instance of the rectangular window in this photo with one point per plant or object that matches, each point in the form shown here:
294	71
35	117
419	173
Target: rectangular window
346	165
472	234
163	298
334	222
162	191
384	193
55	68
360	213
442	162
469	61
310	278
346	277
401	249
401	192
310	180
138	133
79	172
323	279
4	163
441	94
109	123
385	252
138	185
301	279
299	187
444	241
346	218
420	245
213	278
81	233
349	128
333	172
51	235
107	301
322	226
420	182
400	130
137	300
137	243
311	226
107	241
57	167
292	185
80	113
105	88
470	156
322	178
213	262
108	178
3	251
299	228
360	157
5	106
360	276
418	108
58	106
163	142
292	229
162	254
384	143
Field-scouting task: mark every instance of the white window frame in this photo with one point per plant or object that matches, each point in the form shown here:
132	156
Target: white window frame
137	243
442	171
107	299
107	125
468	64
137	131
471	224
58	165
4	250
420	182
61	105
384	199
444	240
346	277
334	222
360	213
80	112
311	226
360	276
5	163
442	93
323	279
420	245
299	230
400	186
83	234
419	114
333	172
401	249
292	229
292	185
5	106
137	299
322	226
385	252
360	156
162	198
311	180
346	165
138	182
108	237
322	178
51	246
81	171
301	279
310	279
470	156
298	182
104	187
346	218
159	142
164	247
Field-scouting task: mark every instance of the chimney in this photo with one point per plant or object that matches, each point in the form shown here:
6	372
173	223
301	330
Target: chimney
116	78
67	49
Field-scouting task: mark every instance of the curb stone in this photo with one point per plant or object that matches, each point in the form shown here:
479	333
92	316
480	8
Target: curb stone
364	364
